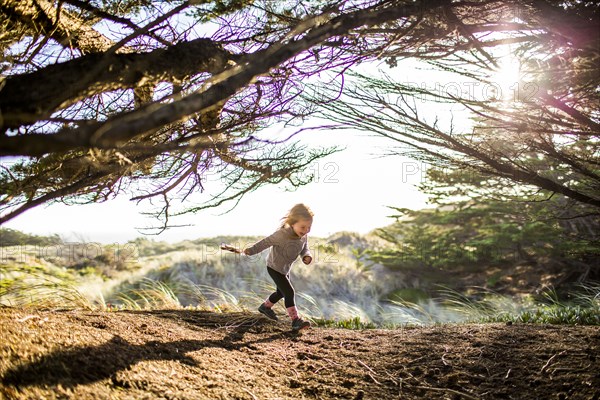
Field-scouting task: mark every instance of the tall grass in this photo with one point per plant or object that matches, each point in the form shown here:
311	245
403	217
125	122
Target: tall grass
149	294
31	286
336	290
583	307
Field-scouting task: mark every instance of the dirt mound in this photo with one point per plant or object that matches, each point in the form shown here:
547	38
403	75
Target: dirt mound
181	354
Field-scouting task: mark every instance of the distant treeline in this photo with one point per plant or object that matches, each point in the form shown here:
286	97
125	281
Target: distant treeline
13	237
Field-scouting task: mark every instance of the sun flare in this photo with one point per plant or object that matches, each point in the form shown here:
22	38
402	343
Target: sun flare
507	77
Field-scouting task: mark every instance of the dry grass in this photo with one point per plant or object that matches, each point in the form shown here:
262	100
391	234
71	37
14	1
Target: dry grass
205	355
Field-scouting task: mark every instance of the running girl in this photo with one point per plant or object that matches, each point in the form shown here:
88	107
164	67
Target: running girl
287	243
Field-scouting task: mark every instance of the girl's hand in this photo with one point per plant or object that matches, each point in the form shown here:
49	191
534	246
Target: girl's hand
307	260
231	248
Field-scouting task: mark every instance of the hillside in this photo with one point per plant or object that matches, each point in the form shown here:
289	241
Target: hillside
343	283
184	354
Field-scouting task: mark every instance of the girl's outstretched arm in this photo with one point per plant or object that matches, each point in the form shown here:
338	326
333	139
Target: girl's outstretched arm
227	247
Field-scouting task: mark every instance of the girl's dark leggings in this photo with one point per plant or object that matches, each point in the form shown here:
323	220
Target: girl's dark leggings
285	290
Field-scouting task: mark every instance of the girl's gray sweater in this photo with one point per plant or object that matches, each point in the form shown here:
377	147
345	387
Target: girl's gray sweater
285	246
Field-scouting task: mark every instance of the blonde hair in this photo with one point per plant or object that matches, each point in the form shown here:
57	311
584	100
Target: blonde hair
296	213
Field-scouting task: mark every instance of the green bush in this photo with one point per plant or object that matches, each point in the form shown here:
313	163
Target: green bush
583	309
351	323
12	237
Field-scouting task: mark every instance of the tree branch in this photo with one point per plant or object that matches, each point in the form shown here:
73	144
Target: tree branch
27	98
40	16
124	127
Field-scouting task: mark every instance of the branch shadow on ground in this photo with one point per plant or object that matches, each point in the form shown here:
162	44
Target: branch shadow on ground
88	364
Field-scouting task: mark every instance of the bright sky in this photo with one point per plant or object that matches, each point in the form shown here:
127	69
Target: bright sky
351	194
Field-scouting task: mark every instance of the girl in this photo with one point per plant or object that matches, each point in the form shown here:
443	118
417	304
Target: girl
287	243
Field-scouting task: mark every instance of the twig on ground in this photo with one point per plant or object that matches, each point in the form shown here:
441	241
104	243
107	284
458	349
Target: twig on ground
415	360
446	363
296	372
392	378
28	318
550	360
250	393
456	392
370	373
366	366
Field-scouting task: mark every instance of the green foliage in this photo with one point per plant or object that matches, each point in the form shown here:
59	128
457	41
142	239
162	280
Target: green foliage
107	261
351	323
12	237
583	309
337	291
479	232
41	287
411	295
209	10
556	314
121	7
326	248
150	294
360	255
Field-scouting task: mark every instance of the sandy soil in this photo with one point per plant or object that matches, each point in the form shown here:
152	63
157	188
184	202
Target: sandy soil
182	354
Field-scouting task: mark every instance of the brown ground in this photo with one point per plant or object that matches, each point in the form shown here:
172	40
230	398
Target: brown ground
183	354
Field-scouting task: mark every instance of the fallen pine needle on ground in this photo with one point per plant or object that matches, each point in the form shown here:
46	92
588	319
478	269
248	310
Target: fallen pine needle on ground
199	355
